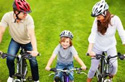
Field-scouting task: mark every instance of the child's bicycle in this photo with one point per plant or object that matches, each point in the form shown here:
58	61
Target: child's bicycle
102	72
65	75
20	75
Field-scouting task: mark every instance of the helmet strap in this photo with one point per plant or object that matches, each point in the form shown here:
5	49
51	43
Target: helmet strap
17	18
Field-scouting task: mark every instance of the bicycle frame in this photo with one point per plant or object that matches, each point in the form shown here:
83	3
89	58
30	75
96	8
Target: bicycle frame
103	70
20	75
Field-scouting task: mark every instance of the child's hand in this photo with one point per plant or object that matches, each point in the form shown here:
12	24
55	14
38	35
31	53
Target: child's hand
83	67
47	68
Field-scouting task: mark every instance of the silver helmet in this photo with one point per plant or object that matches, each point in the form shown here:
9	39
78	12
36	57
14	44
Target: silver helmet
66	33
100	8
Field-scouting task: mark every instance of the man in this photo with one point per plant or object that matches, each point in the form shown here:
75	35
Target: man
21	28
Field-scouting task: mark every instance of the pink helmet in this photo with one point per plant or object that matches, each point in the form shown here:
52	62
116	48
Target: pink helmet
21	5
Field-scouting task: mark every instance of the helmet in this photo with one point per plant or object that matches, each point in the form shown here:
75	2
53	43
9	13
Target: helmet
100	8
22	6
66	33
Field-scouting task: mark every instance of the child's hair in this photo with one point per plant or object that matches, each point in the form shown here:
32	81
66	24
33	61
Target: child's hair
64	38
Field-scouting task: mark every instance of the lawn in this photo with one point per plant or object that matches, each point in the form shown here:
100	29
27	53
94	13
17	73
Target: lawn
53	16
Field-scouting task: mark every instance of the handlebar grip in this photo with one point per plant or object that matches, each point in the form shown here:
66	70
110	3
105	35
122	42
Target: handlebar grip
87	54
53	69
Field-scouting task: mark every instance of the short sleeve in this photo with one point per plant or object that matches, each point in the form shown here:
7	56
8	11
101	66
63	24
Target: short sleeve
4	20
73	51
30	22
56	50
92	36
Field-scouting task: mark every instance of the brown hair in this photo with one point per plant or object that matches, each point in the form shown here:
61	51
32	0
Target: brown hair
64	38
103	26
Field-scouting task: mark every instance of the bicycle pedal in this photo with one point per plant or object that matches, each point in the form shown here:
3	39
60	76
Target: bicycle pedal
30	79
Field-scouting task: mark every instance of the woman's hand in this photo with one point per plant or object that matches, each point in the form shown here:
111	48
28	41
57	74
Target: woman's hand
92	54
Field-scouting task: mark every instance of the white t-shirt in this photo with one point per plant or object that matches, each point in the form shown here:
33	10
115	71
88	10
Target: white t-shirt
108	40
18	31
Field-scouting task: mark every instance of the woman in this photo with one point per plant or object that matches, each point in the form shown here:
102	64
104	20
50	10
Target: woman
102	37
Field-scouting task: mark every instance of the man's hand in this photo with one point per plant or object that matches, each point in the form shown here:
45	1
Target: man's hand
33	53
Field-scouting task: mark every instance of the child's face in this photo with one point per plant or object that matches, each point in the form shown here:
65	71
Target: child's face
65	44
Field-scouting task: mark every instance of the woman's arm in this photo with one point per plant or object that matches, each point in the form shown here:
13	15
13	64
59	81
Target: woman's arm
120	29
90	47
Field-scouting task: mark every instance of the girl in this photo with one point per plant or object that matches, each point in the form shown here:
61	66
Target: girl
102	37
65	52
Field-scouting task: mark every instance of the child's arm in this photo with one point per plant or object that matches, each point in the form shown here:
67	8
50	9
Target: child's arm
50	62
83	66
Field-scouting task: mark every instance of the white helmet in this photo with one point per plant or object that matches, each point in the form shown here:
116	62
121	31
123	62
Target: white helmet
66	33
99	8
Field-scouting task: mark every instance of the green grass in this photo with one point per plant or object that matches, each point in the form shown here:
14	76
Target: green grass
53	16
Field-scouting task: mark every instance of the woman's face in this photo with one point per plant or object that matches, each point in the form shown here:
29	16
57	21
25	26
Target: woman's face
100	18
65	44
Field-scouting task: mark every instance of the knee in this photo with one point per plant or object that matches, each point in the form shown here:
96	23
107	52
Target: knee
9	58
33	62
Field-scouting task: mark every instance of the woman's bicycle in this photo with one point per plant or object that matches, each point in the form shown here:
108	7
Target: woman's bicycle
65	73
21	73
102	72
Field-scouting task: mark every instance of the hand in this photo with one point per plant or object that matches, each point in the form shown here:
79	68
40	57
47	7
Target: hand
92	54
83	67
1	52
47	68
33	53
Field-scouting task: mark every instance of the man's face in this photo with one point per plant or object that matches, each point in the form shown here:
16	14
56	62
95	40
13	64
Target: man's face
22	15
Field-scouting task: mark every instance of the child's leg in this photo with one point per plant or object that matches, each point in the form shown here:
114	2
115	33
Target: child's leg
71	75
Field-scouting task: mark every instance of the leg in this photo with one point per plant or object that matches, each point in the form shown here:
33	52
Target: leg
71	75
94	65
13	49
33	62
113	62
58	75
93	68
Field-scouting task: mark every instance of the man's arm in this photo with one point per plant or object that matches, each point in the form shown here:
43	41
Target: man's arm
34	52
2	30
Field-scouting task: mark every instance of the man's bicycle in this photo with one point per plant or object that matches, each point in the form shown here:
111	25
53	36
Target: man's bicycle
65	73
102	72
21	73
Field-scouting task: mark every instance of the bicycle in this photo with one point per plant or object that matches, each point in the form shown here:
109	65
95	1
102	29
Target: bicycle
21	73
102	72
65	71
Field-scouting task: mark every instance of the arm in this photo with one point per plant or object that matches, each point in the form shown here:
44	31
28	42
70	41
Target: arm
34	52
92	38
90	47
50	62
83	66
120	29
2	30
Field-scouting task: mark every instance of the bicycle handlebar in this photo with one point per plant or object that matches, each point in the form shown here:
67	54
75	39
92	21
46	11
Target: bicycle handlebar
24	55
119	55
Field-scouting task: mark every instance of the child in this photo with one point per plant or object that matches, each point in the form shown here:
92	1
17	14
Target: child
65	52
